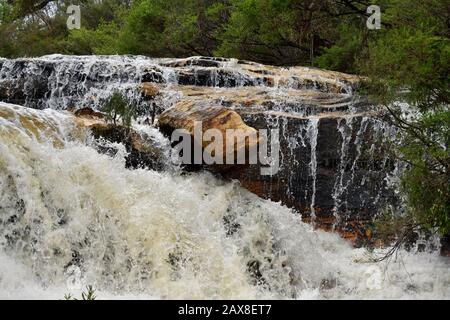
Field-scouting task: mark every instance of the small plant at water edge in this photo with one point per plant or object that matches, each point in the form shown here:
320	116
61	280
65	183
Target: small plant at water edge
118	107
89	294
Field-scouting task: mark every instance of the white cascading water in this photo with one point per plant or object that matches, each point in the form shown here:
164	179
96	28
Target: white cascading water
313	132
61	82
72	217
344	128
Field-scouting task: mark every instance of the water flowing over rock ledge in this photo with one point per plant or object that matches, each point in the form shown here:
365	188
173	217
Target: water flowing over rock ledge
72	216
335	168
58	81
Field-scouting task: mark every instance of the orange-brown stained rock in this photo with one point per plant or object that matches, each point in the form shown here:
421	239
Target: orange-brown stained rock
86	118
185	114
149	89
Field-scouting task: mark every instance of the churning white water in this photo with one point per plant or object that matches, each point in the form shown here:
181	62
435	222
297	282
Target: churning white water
71	217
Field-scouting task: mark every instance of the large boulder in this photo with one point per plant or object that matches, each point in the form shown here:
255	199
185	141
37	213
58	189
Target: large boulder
186	114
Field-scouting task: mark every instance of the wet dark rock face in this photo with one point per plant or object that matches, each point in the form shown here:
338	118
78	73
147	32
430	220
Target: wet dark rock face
62	83
348	187
445	246
142	151
334	165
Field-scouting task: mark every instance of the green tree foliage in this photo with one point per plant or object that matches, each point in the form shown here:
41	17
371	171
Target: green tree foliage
100	41
26	32
285	32
427	182
409	61
270	31
348	48
117	107
100	26
173	27
281	32
33	28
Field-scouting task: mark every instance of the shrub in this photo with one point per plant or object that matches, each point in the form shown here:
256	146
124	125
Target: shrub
89	294
118	107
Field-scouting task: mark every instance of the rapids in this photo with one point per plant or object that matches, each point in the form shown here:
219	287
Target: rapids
334	166
71	217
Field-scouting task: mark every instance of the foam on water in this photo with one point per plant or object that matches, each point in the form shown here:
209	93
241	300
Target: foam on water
70	217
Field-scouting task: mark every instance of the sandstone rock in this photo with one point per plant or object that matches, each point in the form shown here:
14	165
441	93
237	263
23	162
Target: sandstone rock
220	72
143	152
88	113
201	62
150	90
87	117
183	115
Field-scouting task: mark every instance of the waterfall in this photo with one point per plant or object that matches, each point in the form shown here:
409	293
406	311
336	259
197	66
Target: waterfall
72	216
345	129
62	82
313	131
